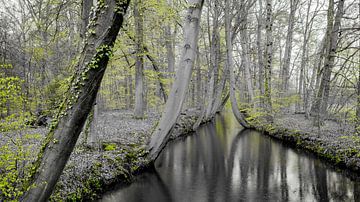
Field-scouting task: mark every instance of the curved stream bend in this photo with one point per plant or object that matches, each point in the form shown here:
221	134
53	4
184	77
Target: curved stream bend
223	163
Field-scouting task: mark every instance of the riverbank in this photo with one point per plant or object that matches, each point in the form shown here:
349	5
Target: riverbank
120	157
333	142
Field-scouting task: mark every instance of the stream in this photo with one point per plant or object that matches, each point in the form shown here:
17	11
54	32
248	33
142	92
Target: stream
223	163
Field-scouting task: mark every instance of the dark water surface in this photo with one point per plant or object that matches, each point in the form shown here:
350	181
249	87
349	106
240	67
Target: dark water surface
222	163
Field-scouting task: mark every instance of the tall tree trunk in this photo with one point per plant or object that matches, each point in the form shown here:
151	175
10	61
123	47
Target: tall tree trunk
268	59
333	35
80	98
215	61
260	53
304	57
180	86
229	63
139	64
285	76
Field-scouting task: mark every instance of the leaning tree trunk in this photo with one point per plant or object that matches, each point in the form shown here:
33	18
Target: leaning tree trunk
229	62
80	98
180	86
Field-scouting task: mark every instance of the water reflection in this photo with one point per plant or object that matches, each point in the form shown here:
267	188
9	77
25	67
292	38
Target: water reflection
220	163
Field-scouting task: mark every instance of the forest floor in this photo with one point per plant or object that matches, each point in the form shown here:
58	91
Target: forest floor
333	141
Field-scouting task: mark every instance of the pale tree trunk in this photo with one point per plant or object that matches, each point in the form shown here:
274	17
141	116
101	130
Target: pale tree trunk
285	76
268	59
229	63
333	33
80	98
180	86
139	64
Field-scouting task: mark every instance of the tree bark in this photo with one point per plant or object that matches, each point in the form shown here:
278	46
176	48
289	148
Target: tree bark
180	86
80	98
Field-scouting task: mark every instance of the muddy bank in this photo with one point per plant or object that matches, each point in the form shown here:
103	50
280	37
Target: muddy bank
336	144
120	157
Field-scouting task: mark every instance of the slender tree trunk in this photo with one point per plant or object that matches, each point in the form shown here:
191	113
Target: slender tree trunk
180	86
229	63
268	59
139	64
80	98
155	65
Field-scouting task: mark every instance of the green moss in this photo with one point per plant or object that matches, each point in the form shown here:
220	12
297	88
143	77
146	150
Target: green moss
109	146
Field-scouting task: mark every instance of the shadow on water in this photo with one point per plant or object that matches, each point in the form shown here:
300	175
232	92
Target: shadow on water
222	162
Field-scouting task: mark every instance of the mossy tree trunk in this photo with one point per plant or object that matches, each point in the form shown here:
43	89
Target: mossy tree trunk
65	130
180	86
